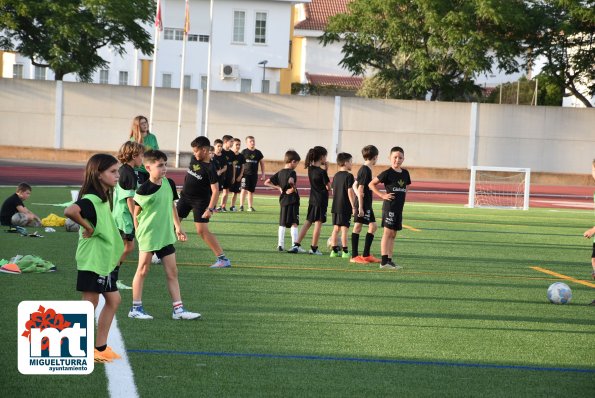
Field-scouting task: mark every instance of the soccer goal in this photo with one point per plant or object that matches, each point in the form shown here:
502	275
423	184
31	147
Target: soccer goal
499	187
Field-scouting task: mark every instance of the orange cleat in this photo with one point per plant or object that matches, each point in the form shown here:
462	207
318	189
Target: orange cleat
358	260
371	259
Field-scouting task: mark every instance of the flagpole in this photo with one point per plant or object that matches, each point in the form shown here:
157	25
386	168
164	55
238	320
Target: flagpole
207	101
158	26
186	29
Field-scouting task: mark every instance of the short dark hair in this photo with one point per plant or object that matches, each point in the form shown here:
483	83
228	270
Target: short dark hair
237	140
200	142
218	141
397	149
23	186
291	155
369	152
227	138
343	158
154	155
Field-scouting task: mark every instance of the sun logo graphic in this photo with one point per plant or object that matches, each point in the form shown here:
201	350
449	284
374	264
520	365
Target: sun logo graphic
55	337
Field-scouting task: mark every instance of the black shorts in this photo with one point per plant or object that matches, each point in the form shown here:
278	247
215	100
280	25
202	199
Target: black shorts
164	251
129	237
341	220
249	182
392	220
235	187
316	213
289	215
198	207
89	281
367	219
593	254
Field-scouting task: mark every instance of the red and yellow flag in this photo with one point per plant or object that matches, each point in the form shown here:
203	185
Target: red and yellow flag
187	19
158	20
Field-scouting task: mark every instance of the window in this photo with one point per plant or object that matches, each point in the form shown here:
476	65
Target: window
123	78
260	28
187	81
266	86
40	73
239	24
166	80
246	86
17	71
203	38
178	34
104	76
168	34
203	82
192	37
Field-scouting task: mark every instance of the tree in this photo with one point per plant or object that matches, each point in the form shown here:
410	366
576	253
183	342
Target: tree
565	37
435	46
65	35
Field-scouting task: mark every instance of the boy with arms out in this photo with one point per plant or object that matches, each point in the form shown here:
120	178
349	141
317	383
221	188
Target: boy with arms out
228	175
254	158
239	164
343	204
155	217
365	212
14	204
590	233
285	181
395	180
199	194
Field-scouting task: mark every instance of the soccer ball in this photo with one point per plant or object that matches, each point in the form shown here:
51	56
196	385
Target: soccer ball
71	226
330	243
559	293
19	219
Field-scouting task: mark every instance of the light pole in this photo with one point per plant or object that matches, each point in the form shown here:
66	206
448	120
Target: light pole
264	69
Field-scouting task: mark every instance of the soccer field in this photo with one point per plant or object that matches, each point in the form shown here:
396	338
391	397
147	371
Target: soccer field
467	316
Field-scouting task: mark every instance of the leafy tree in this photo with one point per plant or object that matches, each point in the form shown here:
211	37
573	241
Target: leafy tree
435	46
65	35
565	37
549	91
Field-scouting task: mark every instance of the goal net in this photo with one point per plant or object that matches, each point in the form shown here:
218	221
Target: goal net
499	187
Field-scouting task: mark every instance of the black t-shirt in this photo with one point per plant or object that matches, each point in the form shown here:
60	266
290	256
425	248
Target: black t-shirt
395	183
219	162
238	161
229	157
281	178
252	160
318	183
87	209
342	182
149	188
198	180
364	177
9	208
128	178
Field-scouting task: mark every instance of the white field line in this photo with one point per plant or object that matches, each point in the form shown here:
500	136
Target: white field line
120	379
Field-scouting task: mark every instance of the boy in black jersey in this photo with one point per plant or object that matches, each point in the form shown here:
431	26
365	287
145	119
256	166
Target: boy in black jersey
365	212
254	158
238	172
395	180
343	204
228	175
199	194
285	181
219	163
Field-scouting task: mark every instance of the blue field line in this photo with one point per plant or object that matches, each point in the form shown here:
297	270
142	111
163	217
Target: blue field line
363	360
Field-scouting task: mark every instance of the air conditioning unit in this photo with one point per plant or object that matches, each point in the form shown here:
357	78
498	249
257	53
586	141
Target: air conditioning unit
230	71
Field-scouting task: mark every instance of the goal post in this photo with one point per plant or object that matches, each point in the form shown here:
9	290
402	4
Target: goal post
499	187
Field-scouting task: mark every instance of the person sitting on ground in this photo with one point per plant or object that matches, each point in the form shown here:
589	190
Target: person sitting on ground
14	212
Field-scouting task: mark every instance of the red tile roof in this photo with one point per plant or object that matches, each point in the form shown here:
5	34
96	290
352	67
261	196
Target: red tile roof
349	82
318	12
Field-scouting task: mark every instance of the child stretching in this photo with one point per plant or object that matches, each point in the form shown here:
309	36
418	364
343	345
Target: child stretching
131	157
155	217
99	247
318	203
395	180
343	204
285	181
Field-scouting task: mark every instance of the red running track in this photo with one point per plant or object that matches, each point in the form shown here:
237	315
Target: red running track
550	196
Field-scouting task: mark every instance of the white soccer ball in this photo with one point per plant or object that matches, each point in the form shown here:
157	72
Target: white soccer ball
19	219
559	293
330	243
71	226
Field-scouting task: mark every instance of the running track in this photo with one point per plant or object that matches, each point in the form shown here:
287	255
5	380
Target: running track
567	197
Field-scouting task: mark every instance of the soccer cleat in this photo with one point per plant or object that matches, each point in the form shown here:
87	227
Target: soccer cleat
223	209
185	315
155	259
233	208
138	313
371	259
296	249
333	254
251	209
218	209
101	357
281	249
122	286
358	260
387	266
317	252
241	208
345	255
226	263
108	352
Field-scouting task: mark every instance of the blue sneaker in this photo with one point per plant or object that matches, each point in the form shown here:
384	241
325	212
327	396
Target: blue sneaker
138	313
226	263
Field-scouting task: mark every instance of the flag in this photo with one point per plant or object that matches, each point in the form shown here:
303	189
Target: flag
158	20
187	19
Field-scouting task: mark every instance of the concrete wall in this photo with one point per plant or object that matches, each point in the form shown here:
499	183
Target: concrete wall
434	134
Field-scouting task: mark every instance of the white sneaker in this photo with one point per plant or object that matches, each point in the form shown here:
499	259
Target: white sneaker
138	313
185	315
317	252
296	249
155	259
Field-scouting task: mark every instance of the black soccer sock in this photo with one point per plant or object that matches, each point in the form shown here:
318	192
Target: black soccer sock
336	249
368	244
101	348
314	248
354	244
384	260
345	249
